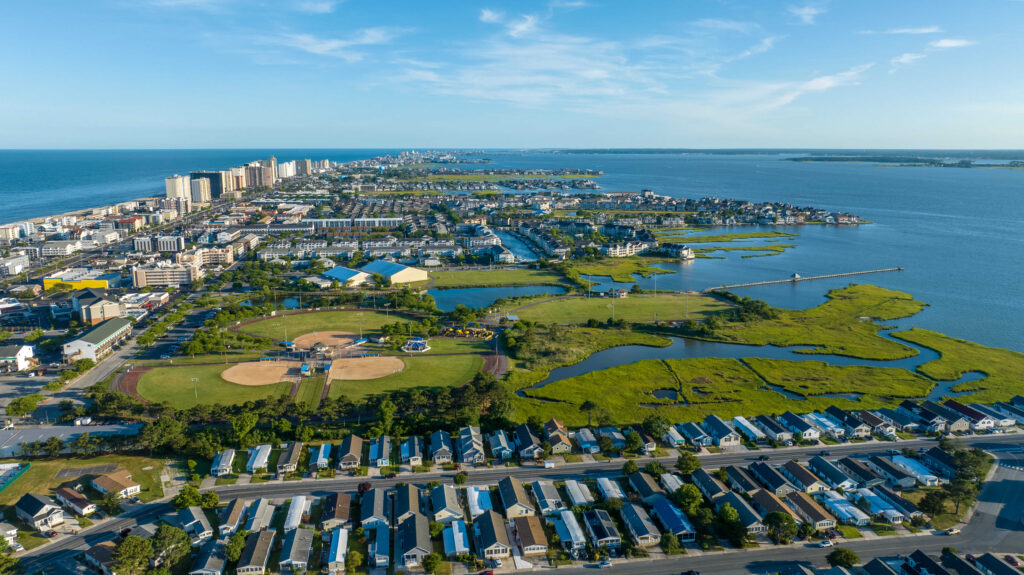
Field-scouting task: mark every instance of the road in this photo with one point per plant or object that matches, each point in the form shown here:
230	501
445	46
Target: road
995	524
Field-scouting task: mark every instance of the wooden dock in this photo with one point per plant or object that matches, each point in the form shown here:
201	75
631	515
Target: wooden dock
798	278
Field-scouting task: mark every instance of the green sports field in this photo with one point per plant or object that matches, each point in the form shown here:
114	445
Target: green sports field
174	386
423	371
300	324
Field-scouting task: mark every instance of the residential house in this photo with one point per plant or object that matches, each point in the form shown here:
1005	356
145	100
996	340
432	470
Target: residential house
720	432
529	534
412	540
670	482
587	441
853	424
810	511
694	434
320	456
569	532
195	524
444	500
640	526
209	561
298	544
673	438
549	502
380	451
441	447
406	502
900	420
471	445
858	471
223	463
232	517
800	428
75	501
831	474
749	430
259	458
118	482
892	472
897	501
500	444
259	515
336	511
740	480
38	511
825	425
601	528
579	493
748	517
878	567
877	424
296	510
557	436
101	557
939	461
514	498
923	564
609	489
957	564
491	537
412	451
455	539
956	421
618	440
709	485
527	443
647	443
771	478
802	477
765	502
845	511
378	548
645	486
338	551
773	429
673	520
990	564
256	553
350	452
978	421
479	499
375	508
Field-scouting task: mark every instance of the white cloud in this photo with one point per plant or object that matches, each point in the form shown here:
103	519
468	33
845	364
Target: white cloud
491	16
908	31
806	13
568	4
522	27
904	60
789	93
190	4
950	43
316	7
759	48
725	25
334	47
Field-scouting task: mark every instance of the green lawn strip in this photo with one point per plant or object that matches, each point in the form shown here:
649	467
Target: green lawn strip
174	386
633	308
1003	369
883	529
231	357
42	478
723	386
670	236
842	326
849	531
559	346
310	390
444	345
620	269
303	323
422	371
499	277
811	378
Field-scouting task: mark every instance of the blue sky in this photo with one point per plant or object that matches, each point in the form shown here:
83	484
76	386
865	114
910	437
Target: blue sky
555	73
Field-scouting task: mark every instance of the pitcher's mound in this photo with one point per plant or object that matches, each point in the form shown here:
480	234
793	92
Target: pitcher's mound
365	367
261	372
328	338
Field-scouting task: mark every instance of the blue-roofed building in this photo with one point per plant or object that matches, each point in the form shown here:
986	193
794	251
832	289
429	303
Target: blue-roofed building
569	532
347	276
479	501
320	456
397	273
338	550
672	519
456	538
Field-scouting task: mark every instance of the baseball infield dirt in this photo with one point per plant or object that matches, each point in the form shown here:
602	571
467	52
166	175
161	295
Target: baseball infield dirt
365	367
328	338
261	372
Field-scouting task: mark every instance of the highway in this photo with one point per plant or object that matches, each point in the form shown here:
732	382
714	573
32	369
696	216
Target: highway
995	524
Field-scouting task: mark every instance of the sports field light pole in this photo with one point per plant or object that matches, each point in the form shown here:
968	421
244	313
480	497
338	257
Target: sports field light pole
612	306
195	388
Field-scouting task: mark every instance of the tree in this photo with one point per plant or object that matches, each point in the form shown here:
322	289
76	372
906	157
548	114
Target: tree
604	443
933	502
459	478
363	487
670	543
688	498
209	500
164	433
243	424
436	529
630	467
188	496
132	555
589	407
171	543
687	463
633	441
431	561
354	560
961	491
111	503
728	514
656	424
233	550
655	468
24	405
841	557
8	563
34	335
53	446
781	526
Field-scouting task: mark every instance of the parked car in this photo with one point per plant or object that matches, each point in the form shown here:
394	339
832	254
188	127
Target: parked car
604	564
826	543
952	531
1012	560
824	453
764	458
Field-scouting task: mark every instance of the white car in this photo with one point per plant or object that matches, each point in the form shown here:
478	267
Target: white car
953	531
826	543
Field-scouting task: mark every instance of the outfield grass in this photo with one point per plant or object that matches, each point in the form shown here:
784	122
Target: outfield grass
620	269
723	386
633	308
1003	369
444	345
842	326
42	476
500	277
303	323
421	371
310	390
174	386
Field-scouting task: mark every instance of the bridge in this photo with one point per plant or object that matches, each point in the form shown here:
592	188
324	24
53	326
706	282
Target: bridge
798	278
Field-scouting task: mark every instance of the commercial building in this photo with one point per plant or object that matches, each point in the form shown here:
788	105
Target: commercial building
177	187
396	273
81	278
164	273
16	357
98	341
206	257
93	306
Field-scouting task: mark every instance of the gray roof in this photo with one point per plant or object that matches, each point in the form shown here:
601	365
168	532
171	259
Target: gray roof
512	492
413	532
490	530
639	522
33	504
257	549
407	500
104	331
297	545
211	558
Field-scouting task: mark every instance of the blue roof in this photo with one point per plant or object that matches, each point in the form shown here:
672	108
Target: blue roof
342	274
456	539
383	267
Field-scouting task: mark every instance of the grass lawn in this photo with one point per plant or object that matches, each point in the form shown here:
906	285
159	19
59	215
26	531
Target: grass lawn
619	269
883	529
310	390
42	476
634	308
500	277
944	520
423	371
723	386
756	251
231	357
1003	369
849	531
442	345
303	323
842	326
174	386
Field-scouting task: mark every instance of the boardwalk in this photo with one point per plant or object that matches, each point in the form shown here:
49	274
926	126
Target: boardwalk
797	278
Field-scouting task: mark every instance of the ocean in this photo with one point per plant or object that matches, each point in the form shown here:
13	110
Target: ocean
955	231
